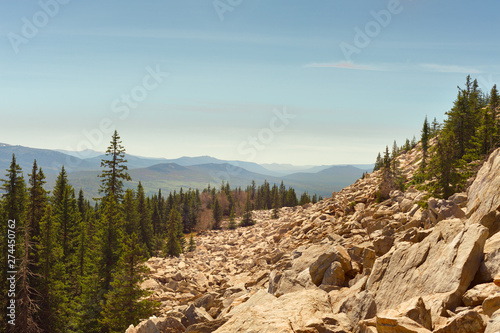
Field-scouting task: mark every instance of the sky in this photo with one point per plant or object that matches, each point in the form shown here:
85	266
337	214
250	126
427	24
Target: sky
285	81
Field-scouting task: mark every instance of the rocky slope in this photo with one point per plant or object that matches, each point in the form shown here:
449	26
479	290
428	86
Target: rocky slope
345	264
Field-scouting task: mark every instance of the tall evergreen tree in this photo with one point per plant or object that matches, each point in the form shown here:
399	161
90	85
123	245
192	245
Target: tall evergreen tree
115	169
145	231
425	140
247	214
217	215
172	244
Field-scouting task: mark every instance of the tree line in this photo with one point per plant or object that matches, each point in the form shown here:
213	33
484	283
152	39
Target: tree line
453	150
79	264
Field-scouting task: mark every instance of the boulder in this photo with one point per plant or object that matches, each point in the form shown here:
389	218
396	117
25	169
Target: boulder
464	322
441	266
483	194
196	315
158	325
334	275
490	266
476	296
493	325
491	304
206	327
303	311
360	306
386	324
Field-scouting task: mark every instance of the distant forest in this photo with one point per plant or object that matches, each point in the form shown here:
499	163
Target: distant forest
78	264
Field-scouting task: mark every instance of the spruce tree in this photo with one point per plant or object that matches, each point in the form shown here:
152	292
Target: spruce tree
126	303
247	214
172	246
145	231
13	208
192	244
232	223
425	141
217	215
115	169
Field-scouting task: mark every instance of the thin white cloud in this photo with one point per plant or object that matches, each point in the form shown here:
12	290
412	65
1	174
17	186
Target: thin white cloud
449	69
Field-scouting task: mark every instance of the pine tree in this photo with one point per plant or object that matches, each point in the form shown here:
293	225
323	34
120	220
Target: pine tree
172	244
378	163
217	214
232	223
192	244
125	304
247	214
13	208
52	273
425	141
444	167
276	203
115	171
145	231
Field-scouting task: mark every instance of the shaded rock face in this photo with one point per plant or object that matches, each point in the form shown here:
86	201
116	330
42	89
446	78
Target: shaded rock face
345	264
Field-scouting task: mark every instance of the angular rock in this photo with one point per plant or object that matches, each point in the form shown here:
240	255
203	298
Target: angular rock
483	194
476	296
493	325
359	307
443	264
196	315
464	322
207	327
303	311
490	266
158	325
334	275
386	324
491	304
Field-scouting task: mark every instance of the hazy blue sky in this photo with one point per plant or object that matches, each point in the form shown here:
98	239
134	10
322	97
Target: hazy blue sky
287	81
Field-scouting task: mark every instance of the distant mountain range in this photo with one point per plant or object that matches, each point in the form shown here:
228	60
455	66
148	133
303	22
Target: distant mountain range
184	172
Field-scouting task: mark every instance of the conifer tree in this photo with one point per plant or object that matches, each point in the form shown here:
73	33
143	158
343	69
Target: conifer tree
13	207
52	273
115	169
172	244
130	216
192	244
125	304
145	231
276	203
232	223
217	214
425	141
247	214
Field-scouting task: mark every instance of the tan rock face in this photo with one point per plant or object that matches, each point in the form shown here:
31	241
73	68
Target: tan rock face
483	194
438	265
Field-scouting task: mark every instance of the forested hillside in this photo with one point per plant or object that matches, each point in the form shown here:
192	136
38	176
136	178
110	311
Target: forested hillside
77	265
